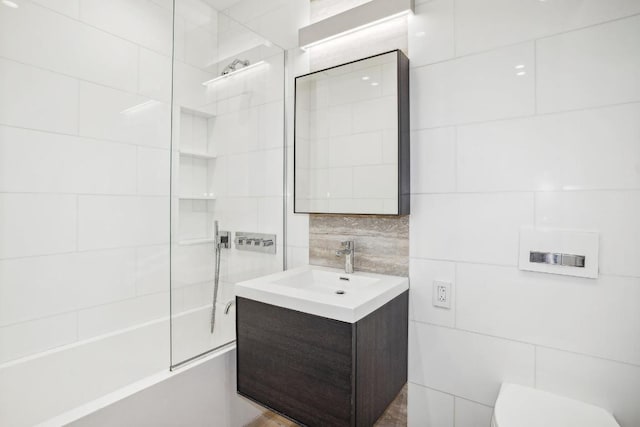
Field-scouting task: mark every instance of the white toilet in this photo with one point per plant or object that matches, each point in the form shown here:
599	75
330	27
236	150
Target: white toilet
519	406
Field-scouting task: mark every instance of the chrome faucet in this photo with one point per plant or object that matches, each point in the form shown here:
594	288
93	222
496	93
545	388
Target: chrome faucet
348	250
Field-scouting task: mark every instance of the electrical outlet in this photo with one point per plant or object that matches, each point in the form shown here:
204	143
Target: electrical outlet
442	294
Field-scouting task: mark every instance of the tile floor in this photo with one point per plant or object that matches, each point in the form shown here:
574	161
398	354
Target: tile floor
394	416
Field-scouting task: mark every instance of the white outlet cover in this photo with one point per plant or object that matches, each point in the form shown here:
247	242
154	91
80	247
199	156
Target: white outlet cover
437	285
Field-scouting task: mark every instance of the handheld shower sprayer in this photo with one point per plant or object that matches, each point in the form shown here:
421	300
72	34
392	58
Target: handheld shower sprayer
220	240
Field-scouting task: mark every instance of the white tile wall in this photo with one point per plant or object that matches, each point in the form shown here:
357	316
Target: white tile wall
152	269
115	221
140	21
613	386
466	364
122	314
429	144
474	88
592	67
48	101
469	227
471	414
38	335
64	283
115	115
431	32
72	375
155	75
153	172
67	46
65	164
428	407
28	230
487	25
79	179
423	273
67	7
614	213
502	301
556	146
583	150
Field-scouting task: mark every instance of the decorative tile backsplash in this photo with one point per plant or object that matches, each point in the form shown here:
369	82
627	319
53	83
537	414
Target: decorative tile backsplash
381	242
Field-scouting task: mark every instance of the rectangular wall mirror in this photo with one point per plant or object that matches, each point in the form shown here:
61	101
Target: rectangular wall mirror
352	138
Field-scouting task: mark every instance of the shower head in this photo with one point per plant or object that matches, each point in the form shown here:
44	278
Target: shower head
232	67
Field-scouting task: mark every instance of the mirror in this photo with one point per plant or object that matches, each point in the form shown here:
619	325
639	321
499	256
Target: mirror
352	138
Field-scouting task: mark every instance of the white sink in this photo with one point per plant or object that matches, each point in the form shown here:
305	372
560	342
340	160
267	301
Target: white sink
325	292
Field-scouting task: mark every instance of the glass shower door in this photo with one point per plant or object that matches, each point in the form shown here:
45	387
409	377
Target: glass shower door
227	171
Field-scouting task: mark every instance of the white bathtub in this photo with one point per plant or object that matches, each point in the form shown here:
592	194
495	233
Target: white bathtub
61	385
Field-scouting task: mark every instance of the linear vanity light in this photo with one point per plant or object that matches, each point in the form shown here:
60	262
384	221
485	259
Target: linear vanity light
233	73
356	19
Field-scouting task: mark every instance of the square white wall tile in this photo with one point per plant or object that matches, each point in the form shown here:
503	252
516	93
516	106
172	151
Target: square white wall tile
591	67
431	32
480	228
34	161
471	414
433	160
613	213
457	91
23	339
422	274
493	23
37	224
67	46
465	364
596	317
582	150
42	286
48	101
428	408
613	386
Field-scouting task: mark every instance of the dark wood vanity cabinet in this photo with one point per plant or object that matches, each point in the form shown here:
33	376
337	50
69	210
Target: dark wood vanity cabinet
318	371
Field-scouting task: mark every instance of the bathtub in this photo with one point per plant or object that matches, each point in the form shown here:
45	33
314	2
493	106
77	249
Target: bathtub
68	384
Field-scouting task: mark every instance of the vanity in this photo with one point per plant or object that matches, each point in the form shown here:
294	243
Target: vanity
322	347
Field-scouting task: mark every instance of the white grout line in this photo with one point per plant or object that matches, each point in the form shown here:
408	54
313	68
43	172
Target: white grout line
503	46
532	345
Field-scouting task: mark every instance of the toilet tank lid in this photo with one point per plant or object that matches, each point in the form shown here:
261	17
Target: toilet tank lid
519	406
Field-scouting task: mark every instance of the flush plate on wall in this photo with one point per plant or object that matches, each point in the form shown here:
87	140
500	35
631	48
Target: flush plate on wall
556	251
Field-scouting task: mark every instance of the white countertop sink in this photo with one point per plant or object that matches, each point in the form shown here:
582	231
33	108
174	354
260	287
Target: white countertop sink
326	292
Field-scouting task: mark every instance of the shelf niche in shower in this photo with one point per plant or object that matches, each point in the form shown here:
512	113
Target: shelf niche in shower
194	170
